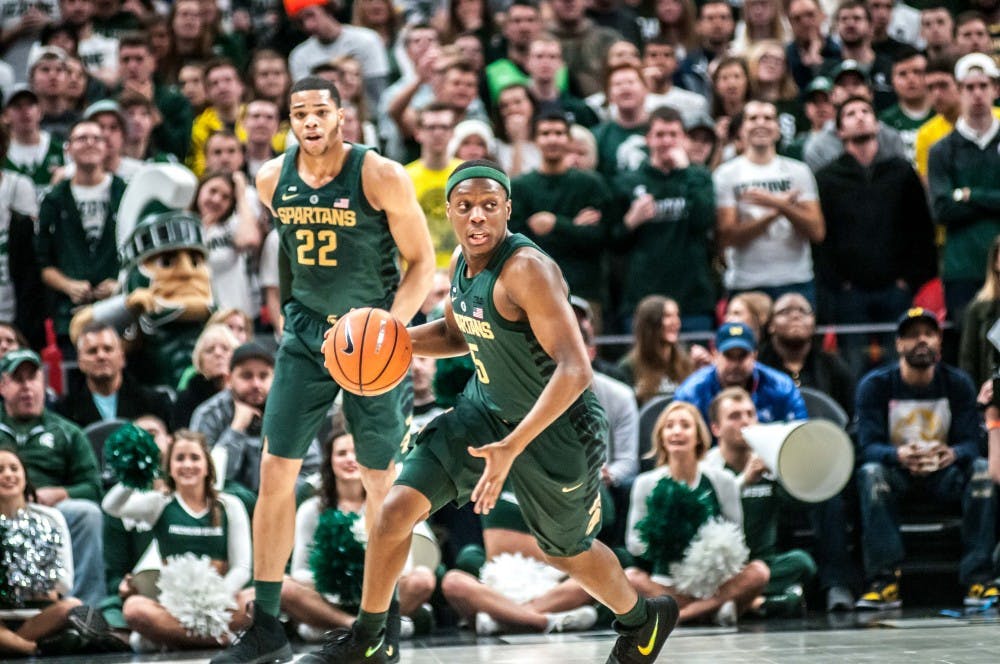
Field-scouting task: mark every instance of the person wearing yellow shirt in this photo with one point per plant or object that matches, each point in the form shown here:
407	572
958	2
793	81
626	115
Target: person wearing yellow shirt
224	89
943	91
435	126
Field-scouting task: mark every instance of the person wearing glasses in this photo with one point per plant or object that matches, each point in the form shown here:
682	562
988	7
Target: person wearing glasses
879	246
791	347
435	126
76	246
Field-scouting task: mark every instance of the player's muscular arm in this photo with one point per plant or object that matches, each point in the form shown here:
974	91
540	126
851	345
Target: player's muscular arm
440	338
532	285
388	188
267	180
532	288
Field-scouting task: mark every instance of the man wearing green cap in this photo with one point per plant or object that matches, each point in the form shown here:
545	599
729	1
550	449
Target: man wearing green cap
528	418
60	461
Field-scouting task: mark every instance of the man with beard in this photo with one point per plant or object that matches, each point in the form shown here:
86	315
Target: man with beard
877	255
231	420
918	433
853	21
791	349
735	364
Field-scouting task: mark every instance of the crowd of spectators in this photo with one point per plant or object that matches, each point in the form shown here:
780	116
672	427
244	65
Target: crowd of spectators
715	179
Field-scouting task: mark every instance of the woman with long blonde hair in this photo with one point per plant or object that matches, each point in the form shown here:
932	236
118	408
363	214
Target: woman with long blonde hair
680	440
762	20
771	80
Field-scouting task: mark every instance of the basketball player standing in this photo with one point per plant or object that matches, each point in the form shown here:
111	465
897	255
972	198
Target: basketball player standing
527	414
344	215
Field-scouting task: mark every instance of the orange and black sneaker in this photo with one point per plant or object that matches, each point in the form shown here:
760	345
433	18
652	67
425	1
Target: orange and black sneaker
982	594
883	594
642	644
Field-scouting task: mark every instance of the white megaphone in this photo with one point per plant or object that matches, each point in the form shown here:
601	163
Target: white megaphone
813	459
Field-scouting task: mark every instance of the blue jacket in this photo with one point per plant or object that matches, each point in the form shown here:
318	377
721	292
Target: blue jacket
773	393
883	388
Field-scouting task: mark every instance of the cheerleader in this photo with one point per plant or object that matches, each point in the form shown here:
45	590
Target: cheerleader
191	517
17	505
681	439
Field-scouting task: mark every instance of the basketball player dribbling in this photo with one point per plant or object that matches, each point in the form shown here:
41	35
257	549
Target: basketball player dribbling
344	216
528	415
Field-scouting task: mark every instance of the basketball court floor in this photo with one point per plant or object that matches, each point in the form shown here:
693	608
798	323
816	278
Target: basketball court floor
908	637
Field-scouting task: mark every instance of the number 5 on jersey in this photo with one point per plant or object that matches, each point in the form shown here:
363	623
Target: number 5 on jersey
484	377
316	247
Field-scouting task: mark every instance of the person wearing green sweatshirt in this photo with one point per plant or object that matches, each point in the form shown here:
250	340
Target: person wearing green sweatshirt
565	211
60	463
964	178
665	231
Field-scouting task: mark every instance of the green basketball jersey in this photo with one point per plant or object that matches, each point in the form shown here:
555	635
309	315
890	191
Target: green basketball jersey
339	248
512	368
177	532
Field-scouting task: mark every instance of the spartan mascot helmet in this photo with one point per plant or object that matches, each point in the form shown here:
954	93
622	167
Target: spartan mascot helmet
165	276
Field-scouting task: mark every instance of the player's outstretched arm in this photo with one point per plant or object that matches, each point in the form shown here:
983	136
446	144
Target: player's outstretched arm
389	189
532	284
440	338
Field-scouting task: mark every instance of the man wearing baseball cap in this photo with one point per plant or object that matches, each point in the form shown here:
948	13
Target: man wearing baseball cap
33	152
735	365
61	463
964	179
231	420
776	398
918	433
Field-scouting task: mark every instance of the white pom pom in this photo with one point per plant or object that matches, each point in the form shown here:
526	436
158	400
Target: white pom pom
192	591
519	578
716	554
359	531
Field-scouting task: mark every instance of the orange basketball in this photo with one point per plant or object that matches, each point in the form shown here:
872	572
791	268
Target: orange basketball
368	352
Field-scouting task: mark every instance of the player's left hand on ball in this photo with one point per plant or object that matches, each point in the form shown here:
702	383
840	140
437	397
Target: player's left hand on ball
499	457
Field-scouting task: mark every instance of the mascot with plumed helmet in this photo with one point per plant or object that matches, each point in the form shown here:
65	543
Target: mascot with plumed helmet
165	276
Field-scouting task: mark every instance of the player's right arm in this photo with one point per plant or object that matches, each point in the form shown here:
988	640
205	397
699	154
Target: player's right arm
440	338
267	182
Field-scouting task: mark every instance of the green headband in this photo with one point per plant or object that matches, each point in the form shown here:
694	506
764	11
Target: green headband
487	172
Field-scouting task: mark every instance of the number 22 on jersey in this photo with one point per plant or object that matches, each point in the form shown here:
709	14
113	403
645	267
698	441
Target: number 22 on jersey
316	247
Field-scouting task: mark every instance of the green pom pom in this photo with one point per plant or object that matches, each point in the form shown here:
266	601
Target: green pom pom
675	512
134	457
337	558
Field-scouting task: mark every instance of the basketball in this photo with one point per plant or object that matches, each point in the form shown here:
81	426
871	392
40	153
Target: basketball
368	353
